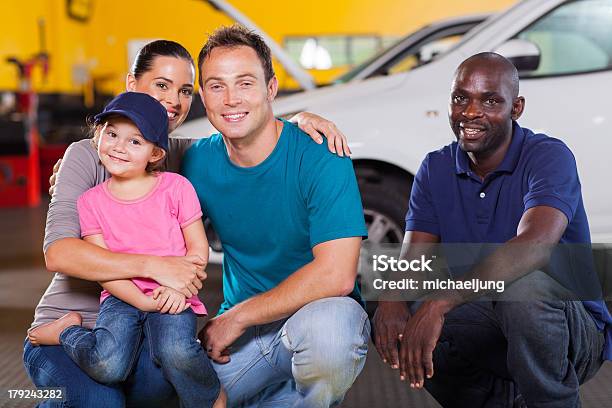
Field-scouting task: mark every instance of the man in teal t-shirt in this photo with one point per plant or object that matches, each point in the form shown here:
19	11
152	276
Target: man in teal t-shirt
291	330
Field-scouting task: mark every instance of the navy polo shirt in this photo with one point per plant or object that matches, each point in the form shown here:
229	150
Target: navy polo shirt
449	200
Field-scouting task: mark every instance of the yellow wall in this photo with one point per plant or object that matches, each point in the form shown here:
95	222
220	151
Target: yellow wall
100	45
387	17
65	42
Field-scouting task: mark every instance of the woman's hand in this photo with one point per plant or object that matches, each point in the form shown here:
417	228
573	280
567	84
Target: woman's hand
169	300
315	126
182	273
53	177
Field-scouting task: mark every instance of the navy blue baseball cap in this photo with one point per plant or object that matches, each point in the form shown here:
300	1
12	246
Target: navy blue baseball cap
149	116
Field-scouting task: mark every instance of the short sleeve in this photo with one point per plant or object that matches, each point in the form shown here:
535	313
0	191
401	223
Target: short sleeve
188	205
552	179
80	171
421	215
332	198
87	215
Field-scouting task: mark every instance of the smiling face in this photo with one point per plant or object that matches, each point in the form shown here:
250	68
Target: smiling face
483	104
123	150
170	81
235	92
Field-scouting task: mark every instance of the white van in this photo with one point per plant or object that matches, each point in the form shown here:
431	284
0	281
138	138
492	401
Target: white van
563	50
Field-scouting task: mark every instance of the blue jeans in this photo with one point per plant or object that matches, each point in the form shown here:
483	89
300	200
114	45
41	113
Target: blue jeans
507	353
308	360
108	352
50	366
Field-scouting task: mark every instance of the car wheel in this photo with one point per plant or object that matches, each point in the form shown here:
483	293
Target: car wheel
384	207
385	202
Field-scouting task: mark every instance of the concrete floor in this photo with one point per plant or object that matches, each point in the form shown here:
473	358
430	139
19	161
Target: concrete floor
23	279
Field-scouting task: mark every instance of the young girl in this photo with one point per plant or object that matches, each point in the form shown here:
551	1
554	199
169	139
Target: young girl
140	210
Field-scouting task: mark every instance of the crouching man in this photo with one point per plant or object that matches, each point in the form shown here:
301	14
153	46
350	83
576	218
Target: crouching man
291	330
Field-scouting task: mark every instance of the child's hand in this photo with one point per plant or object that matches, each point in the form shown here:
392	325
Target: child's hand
169	300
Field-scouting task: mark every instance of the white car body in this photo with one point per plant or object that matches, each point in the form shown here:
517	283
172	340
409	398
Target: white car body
393	121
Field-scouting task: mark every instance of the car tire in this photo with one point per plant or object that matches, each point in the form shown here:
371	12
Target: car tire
385	203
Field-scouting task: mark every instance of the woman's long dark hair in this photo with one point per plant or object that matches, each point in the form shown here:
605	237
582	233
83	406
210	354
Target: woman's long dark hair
159	48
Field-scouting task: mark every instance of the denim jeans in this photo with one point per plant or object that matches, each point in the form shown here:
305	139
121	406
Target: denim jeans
50	366
308	360
108	352
511	353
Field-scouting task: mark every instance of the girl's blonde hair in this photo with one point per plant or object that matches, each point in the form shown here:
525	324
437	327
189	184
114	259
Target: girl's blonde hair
93	132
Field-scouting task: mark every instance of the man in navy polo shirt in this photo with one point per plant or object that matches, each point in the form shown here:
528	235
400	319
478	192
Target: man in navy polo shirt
499	183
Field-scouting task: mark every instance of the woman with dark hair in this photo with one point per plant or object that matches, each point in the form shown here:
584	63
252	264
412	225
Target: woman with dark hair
164	70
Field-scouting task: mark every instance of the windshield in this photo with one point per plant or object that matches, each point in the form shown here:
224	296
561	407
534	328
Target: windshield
414	50
359	68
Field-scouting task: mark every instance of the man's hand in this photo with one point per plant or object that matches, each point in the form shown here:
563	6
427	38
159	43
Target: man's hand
56	167
420	337
169	300
181	273
219	334
389	322
315	126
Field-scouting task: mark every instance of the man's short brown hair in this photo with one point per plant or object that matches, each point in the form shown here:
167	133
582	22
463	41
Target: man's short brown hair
236	36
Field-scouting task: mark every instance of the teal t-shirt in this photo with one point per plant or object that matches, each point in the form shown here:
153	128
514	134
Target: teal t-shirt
270	216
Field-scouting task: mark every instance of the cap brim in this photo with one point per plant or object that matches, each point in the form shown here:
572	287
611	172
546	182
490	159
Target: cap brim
118	112
135	118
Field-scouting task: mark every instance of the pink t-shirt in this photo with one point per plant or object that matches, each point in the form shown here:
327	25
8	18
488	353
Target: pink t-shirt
150	225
